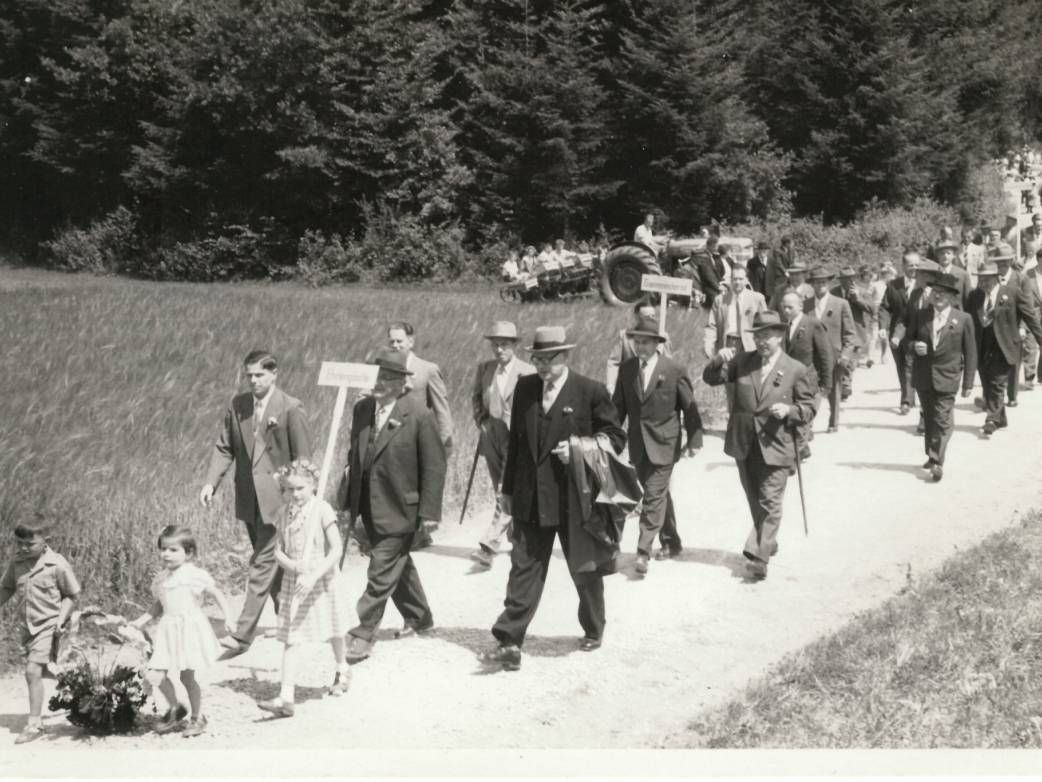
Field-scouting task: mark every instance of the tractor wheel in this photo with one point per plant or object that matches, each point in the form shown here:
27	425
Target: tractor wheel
623	268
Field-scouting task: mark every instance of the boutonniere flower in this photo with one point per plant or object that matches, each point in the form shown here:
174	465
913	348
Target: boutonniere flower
778	378
828	314
272	421
659	379
1004	299
393	423
566	410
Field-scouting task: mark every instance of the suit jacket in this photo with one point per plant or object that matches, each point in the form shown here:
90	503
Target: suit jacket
838	321
810	346
954	354
486	392
653	418
751	421
757	271
532	477
623	350
892	308
284	438
1013	306
965	285
407	476
805	290
749	303
426	385
710	271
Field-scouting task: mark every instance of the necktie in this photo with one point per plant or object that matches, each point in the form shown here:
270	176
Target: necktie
737	315
548	397
643	379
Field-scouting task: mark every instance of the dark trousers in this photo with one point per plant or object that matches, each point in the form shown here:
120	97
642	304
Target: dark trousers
264	577
839	381
904	357
994	372
669	536
393	575
529	561
654	479
764	487
1013	381
938	407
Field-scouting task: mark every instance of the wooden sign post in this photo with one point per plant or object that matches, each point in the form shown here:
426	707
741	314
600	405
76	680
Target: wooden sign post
343	376
665	287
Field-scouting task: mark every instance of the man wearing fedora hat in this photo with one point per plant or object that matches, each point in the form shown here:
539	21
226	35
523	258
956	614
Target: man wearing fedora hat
947	251
549	407
944	347
1003	256
655	397
918	298
859	297
395	480
757	269
779	265
796	280
999	312
622	349
835	315
491	401
773	398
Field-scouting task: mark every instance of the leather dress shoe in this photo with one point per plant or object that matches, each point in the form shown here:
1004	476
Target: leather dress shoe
936	472
410	630
506	655
233	646
989	429
357	649
667	553
757	571
483	556
905	409
277	707
832	430
1011	403
928	464
589	644
641	565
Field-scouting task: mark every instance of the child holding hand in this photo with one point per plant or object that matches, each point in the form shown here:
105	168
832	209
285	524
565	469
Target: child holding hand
314	609
184	640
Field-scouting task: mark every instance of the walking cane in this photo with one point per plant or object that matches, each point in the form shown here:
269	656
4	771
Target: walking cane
470	482
799	477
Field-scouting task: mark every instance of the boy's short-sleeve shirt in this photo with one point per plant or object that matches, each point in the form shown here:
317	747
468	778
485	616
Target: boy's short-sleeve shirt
41	586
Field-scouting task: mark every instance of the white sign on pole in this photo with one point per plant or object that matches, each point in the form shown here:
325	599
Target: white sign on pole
671	286
342	375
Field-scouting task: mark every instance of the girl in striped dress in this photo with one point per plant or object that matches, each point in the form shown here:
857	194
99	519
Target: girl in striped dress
313	605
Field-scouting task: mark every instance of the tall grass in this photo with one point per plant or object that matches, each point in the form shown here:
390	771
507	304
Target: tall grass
113	394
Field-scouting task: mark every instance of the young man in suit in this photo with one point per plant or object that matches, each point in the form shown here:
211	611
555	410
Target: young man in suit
947	251
892	309
757	269
710	271
1002	255
491	401
622	349
538	489
731	314
395	482
835	315
945	349
773	398
795	281
998	313
426	385
263	430
807	342
654	395
863	310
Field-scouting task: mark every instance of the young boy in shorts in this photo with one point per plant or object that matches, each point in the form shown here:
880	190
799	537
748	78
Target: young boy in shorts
46	588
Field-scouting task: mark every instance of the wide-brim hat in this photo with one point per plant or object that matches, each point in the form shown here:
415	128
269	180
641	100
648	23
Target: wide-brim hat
550	339
796	268
646	327
928	266
847	271
393	360
820	273
1001	252
768	319
948	282
502	329
988	270
947	244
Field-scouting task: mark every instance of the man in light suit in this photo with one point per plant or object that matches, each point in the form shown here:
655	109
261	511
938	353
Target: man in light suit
835	315
773	398
653	394
426	385
491	400
395	482
999	312
730	316
945	349
262	431
540	491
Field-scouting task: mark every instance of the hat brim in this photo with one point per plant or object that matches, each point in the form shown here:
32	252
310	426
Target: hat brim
640	333
501	336
939	287
997	258
549	348
767	326
395	369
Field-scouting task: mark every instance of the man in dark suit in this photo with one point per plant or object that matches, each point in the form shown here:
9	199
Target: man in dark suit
653	394
396	475
807	342
263	430
835	315
773	398
1002	255
710	272
892	312
549	407
998	313
796	280
757	269
947	251
945	348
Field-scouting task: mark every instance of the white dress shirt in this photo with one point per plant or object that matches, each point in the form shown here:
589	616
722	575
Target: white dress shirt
647	371
795	324
940	317
819	306
768	367
551	390
260	404
500	378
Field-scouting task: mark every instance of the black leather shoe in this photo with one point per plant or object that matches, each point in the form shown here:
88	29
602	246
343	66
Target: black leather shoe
905	409
357	649
989	429
589	644
928	464
936	473
833	429
1011	403
506	655
410	630
641	565
667	553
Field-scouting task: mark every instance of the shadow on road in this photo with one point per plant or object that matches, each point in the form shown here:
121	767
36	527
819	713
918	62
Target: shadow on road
707	556
479	639
261	690
912	469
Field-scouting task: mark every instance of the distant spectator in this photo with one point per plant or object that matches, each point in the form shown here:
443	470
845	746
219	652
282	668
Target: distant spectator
757	268
529	260
645	235
780	263
1031	238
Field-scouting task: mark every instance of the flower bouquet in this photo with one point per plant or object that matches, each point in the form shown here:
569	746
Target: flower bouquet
100	673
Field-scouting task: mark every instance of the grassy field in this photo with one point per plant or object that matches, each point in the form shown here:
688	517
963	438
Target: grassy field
114	390
955	661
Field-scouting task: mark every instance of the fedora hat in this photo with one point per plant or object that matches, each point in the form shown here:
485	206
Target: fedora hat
847	271
926	265
768	319
988	269
393	360
550	339
948	282
646	327
796	268
946	244
1001	252
820	273
502	329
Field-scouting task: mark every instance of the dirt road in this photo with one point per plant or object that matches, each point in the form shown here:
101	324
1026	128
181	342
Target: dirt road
682	639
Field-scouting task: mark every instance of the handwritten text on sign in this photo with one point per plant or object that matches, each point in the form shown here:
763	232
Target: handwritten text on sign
347	375
671	286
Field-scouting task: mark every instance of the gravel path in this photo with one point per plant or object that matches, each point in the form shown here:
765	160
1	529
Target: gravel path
684	638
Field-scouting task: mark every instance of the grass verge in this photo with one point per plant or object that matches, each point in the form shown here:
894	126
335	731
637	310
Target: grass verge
955	660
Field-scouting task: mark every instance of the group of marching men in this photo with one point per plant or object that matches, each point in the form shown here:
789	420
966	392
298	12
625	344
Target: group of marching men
551	437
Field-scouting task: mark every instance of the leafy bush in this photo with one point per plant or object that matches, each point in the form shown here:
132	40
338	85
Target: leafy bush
104	247
238	253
